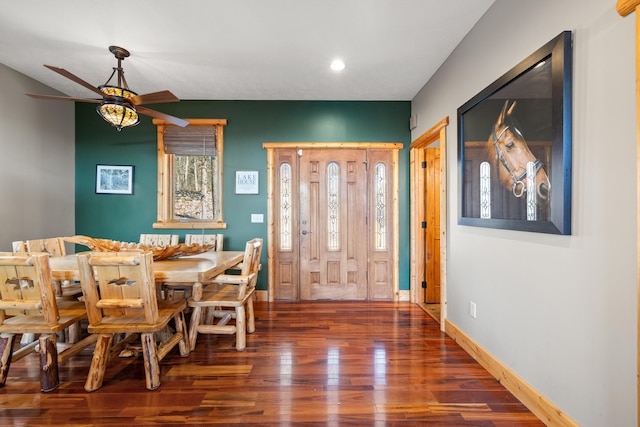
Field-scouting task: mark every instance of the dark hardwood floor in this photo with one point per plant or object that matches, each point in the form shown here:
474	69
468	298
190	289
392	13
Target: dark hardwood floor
307	364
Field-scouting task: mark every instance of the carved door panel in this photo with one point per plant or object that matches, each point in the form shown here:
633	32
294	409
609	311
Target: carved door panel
380	224
286	231
333	224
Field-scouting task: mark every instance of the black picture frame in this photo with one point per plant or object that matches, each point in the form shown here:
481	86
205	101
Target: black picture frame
114	179
541	88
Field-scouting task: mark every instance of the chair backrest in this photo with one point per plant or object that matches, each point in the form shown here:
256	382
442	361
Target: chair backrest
54	246
118	284
159	239
26	286
251	263
19	246
205	239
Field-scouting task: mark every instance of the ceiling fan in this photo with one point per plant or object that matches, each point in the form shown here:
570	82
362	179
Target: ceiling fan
119	105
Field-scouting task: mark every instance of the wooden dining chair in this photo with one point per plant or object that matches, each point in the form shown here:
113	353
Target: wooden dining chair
28	305
120	298
205	239
159	239
54	246
228	297
64	290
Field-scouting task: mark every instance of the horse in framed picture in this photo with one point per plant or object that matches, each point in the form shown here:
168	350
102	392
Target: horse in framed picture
512	178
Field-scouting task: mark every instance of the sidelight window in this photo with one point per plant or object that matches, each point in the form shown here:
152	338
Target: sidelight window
380	189
285	207
333	206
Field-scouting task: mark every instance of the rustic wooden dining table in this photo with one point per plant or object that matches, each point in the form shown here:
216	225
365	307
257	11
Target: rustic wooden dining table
190	270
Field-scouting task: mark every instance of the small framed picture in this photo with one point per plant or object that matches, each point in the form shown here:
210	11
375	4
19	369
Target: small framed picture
247	182
111	179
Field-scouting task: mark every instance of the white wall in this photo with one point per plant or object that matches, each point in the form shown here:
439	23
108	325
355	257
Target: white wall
37	172
560	311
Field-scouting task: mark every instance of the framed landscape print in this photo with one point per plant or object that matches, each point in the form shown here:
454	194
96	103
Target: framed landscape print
112	179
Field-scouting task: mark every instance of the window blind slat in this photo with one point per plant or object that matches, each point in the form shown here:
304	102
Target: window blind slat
190	141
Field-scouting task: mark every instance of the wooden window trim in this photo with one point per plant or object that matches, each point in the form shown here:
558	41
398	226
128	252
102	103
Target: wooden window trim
165	182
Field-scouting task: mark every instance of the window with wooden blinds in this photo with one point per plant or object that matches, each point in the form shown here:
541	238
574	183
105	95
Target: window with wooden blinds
190	140
190	174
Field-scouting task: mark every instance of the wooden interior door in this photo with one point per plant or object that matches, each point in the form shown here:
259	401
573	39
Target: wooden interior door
432	225
333	224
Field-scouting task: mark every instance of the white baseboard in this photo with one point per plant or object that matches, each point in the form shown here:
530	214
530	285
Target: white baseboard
404	295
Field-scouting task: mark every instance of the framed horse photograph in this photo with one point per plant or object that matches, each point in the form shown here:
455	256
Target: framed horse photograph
514	146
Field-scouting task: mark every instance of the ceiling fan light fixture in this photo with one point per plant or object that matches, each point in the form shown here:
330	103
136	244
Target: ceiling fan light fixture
119	114
118	105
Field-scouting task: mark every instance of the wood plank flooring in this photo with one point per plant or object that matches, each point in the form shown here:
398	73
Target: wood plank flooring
308	364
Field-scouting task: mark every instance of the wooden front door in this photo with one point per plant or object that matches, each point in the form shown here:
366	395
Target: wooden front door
333	223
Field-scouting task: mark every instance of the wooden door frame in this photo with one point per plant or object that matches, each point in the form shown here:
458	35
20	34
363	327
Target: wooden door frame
417	184
272	146
624	8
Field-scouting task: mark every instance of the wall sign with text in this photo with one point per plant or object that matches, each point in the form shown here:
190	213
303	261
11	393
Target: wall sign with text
247	182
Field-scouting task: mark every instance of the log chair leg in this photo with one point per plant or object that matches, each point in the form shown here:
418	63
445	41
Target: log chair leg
251	321
49	379
27	338
241	329
74	333
209	315
99	362
6	351
181	327
193	326
151	364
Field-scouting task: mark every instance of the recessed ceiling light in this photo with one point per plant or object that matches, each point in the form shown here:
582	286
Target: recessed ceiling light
337	65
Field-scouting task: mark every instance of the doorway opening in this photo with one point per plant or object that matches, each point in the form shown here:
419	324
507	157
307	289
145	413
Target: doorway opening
429	221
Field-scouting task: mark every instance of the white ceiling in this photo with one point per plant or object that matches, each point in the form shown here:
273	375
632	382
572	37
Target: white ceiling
242	49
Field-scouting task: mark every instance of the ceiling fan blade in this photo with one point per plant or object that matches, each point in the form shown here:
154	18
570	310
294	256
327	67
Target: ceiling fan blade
154	98
63	98
75	78
158	115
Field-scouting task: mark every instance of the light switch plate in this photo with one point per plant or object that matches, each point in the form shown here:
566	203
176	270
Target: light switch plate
259	218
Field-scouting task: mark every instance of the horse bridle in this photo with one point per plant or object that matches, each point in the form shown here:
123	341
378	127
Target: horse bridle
517	188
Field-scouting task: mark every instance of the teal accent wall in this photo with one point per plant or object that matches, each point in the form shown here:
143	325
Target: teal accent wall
250	123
